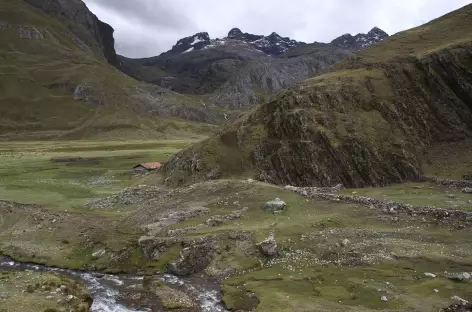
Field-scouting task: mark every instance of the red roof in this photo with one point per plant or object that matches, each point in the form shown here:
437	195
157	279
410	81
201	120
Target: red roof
150	166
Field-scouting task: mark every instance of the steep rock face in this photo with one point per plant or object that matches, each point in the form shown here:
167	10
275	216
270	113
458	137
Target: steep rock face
253	82
360	41
83	23
366	123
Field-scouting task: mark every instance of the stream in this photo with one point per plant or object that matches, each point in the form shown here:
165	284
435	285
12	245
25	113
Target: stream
119	293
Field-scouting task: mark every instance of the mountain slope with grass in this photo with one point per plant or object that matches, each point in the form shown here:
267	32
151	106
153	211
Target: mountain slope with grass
368	121
57	81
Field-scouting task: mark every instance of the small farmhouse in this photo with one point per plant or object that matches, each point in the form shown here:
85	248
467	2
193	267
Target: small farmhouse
147	167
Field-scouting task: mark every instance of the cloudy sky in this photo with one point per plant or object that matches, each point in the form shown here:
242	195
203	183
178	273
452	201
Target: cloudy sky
148	27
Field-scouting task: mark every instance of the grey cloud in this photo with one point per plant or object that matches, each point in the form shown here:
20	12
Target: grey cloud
149	27
147	12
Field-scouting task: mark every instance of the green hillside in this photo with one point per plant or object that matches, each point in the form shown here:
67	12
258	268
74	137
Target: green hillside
367	122
53	85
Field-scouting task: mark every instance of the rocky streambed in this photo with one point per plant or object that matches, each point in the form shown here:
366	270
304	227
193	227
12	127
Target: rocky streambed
128	293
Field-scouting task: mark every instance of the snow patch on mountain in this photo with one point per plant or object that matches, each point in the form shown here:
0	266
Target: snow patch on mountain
273	44
360	41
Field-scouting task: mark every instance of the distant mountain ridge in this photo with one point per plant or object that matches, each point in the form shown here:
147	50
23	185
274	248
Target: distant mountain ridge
242	69
272	45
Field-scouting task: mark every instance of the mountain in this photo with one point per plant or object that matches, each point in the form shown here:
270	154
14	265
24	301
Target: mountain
272	45
360	41
367	121
238	71
57	80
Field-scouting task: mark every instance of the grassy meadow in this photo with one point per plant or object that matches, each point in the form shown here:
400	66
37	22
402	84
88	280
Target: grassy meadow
38	172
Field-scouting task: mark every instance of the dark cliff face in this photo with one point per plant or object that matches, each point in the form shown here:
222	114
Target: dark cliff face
96	34
105	36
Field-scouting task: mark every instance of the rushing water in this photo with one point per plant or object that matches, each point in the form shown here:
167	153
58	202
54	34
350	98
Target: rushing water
108	291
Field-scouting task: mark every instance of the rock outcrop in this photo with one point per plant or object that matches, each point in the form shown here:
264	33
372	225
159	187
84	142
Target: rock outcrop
83	23
193	259
269	246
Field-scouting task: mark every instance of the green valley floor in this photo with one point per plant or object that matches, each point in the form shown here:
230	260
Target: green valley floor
77	205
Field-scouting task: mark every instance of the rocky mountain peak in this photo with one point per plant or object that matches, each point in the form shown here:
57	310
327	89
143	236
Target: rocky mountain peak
191	43
235	33
377	32
360	41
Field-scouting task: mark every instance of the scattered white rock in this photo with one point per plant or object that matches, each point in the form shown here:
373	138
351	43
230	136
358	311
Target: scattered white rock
436	290
459	300
345	242
427	274
275	205
99	254
461	277
250	181
384	299
69	298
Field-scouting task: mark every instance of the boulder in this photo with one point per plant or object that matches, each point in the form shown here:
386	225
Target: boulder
275	205
467	190
193	259
98	254
427	274
459	300
460	277
269	246
153	247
